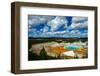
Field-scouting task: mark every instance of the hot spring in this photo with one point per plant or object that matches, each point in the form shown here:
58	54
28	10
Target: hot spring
71	47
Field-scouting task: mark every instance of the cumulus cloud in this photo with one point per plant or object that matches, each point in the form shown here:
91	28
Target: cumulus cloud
57	22
45	29
75	32
79	23
58	32
49	34
61	34
36	20
52	24
78	19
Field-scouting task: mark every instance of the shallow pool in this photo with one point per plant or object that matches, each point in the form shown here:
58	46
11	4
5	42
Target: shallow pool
71	47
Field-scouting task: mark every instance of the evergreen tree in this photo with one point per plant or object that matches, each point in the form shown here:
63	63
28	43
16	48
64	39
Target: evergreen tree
43	54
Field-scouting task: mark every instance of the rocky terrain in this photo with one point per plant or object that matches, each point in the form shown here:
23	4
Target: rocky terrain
55	49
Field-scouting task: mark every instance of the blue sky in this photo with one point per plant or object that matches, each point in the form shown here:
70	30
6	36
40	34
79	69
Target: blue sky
57	26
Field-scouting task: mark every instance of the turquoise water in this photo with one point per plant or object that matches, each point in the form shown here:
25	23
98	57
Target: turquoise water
71	47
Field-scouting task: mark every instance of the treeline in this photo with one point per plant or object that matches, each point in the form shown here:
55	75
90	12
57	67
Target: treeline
59	40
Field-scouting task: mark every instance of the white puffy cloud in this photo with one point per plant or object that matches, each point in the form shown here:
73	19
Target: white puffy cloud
50	34
79	23
57	22
36	20
58	32
53	24
77	19
62	34
45	29
51	21
75	32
